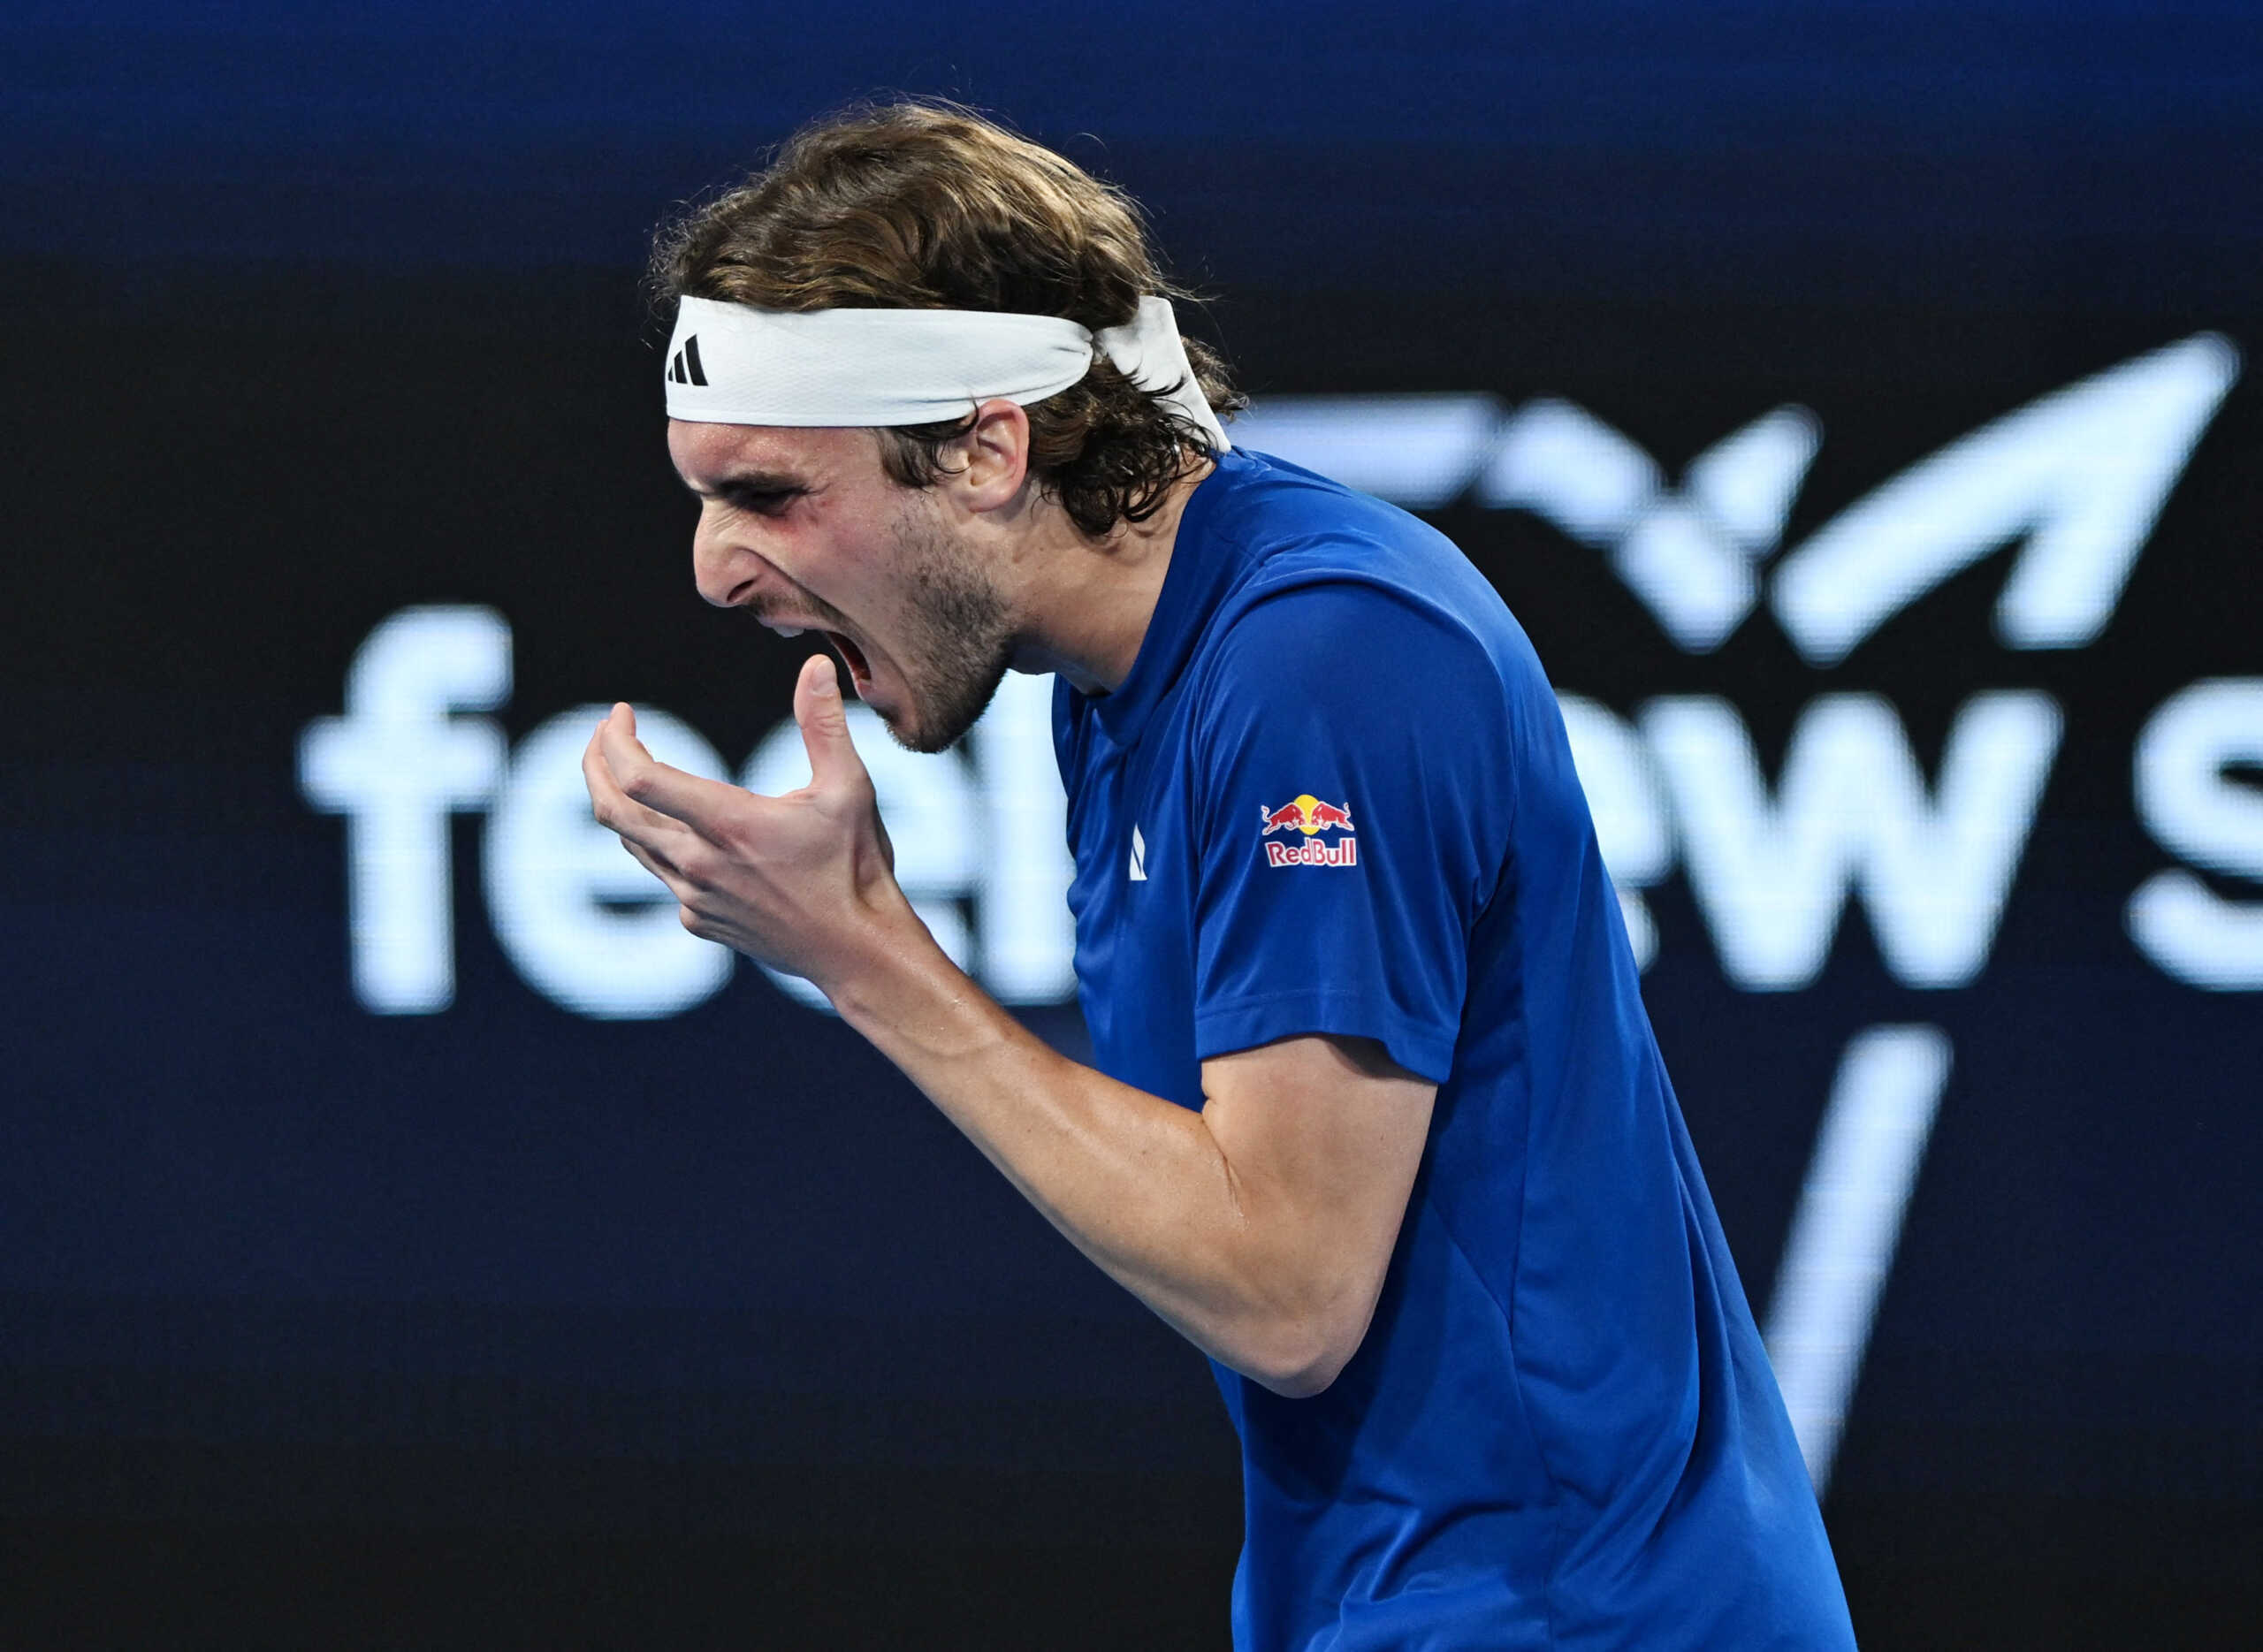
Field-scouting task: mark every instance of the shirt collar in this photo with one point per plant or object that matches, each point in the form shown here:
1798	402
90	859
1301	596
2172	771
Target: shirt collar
1204	564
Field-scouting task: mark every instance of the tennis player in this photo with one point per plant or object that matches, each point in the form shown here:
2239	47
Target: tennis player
1378	1122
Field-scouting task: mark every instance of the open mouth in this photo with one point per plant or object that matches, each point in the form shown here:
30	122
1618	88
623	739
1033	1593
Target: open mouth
860	669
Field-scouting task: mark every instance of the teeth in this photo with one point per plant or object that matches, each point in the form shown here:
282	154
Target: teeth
788	630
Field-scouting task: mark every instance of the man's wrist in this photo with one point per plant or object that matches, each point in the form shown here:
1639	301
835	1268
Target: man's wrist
895	971
930	1017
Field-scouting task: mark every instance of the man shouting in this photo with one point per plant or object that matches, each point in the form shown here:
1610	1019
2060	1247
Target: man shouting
1379	1124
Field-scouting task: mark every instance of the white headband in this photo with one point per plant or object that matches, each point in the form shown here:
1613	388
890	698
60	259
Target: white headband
733	364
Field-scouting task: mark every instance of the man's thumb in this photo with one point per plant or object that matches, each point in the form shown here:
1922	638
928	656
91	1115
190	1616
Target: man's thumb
824	722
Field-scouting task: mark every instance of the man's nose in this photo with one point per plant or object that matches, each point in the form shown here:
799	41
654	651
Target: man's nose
724	570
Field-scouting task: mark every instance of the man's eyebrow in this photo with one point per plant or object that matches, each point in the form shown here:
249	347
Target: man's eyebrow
749	481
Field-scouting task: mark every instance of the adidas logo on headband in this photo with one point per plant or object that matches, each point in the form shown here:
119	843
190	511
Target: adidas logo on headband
685	368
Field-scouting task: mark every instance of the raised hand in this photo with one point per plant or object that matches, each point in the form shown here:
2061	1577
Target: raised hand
804	882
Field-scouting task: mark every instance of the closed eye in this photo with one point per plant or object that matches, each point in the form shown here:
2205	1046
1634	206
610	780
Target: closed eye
762	502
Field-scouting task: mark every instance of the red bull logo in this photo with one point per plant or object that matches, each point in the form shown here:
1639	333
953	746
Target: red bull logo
1307	816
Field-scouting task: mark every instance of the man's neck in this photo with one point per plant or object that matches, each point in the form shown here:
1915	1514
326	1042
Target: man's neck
1086	602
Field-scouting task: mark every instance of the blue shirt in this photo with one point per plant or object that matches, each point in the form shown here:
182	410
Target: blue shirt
1334	795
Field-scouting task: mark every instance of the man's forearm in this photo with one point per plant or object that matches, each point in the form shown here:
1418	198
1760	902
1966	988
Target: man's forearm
1260	1226
1139	1183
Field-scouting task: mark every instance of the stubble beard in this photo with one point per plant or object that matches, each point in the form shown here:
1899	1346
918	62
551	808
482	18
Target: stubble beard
960	641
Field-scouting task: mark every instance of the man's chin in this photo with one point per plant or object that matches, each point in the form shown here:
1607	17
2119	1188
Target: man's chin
914	735
907	729
928	730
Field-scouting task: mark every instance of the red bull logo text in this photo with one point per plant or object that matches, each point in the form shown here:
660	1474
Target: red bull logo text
1308	817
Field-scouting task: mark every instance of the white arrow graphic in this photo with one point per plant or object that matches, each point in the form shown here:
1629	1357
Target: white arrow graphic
2080	474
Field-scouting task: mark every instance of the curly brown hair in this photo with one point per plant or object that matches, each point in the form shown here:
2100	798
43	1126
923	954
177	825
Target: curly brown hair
925	205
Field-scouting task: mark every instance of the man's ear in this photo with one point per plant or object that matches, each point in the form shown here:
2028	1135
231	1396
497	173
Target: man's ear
996	448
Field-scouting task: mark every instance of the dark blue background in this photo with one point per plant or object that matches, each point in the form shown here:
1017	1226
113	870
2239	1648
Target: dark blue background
1963	153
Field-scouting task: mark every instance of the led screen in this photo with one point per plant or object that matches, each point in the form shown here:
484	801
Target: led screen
1860	412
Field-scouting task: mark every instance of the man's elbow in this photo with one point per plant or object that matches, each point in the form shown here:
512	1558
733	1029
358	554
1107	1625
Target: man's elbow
1300	1358
1303	1382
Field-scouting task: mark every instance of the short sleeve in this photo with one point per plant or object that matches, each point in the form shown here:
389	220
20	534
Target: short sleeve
1353	805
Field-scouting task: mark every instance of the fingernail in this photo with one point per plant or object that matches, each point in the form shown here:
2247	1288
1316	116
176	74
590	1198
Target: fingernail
828	683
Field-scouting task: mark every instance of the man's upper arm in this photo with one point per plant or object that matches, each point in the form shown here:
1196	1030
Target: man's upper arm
1355	787
1323	1136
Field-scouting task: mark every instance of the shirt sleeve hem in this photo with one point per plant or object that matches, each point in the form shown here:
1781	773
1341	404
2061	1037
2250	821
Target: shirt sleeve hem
1424	1049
